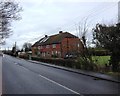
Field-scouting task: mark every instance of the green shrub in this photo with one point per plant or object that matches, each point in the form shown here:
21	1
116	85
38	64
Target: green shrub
24	56
86	64
60	62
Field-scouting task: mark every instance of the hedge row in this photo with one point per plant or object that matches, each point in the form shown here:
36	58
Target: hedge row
24	56
99	52
59	62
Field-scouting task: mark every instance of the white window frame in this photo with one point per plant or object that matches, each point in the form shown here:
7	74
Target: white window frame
47	46
54	46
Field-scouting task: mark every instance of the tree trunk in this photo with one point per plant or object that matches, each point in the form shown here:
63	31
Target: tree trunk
115	59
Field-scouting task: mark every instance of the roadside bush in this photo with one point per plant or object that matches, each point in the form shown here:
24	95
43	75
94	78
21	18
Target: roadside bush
59	62
86	64
24	56
80	63
8	53
99	52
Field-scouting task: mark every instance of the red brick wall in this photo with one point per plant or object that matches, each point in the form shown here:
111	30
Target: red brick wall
68	45
48	51
34	50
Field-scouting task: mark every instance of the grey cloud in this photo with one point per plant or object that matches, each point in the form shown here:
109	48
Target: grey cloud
48	17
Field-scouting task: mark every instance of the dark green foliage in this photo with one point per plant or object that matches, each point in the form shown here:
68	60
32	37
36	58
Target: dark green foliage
60	62
99	52
24	56
108	37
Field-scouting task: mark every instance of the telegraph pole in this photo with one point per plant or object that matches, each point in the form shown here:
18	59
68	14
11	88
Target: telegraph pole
15	48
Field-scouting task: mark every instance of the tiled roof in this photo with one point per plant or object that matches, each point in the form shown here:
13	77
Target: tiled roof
54	39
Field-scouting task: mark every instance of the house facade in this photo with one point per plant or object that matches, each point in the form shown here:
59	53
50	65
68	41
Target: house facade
58	45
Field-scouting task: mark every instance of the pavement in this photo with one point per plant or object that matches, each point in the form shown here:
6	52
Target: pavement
83	72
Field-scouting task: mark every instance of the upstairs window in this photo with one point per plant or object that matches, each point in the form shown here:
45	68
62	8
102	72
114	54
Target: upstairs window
41	47
47	46
54	45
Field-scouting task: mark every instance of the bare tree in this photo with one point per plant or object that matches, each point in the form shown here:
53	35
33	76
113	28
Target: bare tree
27	46
9	11
85	56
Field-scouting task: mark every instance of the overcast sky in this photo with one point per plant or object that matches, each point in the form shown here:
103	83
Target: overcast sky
40	17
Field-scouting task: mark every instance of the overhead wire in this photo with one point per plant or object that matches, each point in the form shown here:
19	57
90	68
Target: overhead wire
93	13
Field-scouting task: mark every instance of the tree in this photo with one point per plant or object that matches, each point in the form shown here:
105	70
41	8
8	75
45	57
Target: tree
9	11
108	37
85	58
27	47
13	51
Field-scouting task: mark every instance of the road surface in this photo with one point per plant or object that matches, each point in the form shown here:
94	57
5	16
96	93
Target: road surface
22	77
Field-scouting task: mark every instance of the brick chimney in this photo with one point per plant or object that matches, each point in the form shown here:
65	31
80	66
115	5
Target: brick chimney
46	36
60	32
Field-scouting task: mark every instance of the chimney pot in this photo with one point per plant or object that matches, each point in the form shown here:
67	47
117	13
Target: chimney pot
60	31
46	36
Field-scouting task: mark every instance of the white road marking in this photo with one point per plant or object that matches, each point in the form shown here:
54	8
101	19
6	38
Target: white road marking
59	84
25	68
53	81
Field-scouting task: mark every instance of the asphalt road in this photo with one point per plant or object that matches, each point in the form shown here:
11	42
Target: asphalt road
22	77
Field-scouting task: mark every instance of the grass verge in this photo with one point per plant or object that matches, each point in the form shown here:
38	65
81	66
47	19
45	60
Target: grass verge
101	60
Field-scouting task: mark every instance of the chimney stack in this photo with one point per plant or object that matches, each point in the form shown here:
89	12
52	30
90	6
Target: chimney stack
46	36
60	32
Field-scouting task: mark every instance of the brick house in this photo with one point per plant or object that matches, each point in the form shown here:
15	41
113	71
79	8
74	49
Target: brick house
58	45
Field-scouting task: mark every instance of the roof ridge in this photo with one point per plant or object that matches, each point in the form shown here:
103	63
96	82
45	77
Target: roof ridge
56	38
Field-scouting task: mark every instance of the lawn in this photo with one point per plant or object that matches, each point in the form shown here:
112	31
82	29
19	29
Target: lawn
101	60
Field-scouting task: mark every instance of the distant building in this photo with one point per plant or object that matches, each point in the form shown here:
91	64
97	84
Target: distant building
58	45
